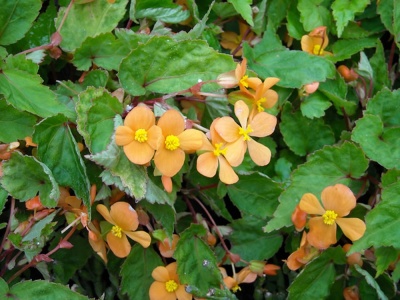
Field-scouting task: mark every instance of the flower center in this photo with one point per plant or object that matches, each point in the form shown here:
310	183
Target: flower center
218	151
245	132
171	286
244	82
329	217
236	288
117	231
259	103
141	135
172	142
318	50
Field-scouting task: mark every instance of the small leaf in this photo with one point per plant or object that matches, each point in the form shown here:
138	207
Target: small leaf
315	105
384	257
20	170
163	213
313	14
344	11
37	229
162	10
243	7
344	49
3	198
380	69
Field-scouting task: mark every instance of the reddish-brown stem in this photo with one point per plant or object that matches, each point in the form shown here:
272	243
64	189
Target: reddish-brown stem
129	24
190	206
237	49
346	119
65	15
391	56
8	224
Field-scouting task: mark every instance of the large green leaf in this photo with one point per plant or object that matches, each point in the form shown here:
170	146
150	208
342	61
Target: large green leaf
325	167
89	20
96	110
24	177
345	10
163	65
243	7
255	194
136	272
344	49
19	124
383	221
16	17
314	13
162	10
58	149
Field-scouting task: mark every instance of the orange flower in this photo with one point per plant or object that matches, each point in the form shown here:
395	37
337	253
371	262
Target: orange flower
316	41
238	77
167	285
338	201
239	137
301	256
245	275
125	221
139	136
264	97
299	218
34	204
166	247
96	241
175	140
232	41
207	163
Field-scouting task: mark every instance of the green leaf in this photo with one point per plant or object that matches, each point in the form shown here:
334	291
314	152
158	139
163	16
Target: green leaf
384	257
293	68
371	281
255	194
57	148
96	110
344	49
3	288
95	17
345	10
197	264
251	242
155	192
19	124
385	106
383	221
380	69
3	198
315	105
24	177
163	213
325	167
16	17
162	10
385	9
243	7
136	272
43	290
315	280
313	135
38	229
314	13
103	50
176	66
294	25
215	108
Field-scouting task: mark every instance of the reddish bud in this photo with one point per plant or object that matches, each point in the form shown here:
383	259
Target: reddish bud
299	218
235	258
43	257
353	259
65	244
347	74
351	293
55	52
55	39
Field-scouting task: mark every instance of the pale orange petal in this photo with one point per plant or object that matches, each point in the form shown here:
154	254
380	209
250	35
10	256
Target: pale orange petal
307	44
172	271
161	274
105	213
272	97
207	164
190	139
226	173
229	44
141	237
167	183
171	122
124	135
154	137
124	216
321	235
169	162
254	82
353	228
292	262
241	68
260	154
263	124
268	83
140	117
338	198
181	293
310	204
230	282
242	113
159	292
228	129
230	36
207	146
139	153
235	152
119	246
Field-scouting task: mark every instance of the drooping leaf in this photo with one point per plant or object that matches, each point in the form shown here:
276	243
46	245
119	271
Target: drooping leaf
243	7
313	14
372	282
163	65
325	167
16	17
58	149
19	170
162	10
163	213
344	11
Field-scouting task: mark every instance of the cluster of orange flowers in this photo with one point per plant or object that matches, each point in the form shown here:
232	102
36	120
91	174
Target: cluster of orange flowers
337	202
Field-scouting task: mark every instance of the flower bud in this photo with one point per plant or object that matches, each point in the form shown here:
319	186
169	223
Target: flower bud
351	293
227	80
257	266
353	259
347	74
299	218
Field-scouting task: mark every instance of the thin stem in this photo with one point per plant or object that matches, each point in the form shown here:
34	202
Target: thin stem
391	56
65	15
8	224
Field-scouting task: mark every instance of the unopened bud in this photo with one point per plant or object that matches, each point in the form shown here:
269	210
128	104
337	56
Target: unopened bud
235	258
55	39
228	80
257	266
65	245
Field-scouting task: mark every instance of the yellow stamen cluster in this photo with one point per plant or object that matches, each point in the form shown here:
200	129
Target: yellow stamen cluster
236	288
259	103
318	50
171	286
244	82
172	142
218	151
117	231
245	132
329	217
141	135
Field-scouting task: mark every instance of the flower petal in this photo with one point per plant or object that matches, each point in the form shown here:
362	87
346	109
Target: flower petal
310	204
169	162
338	198
159	292
235	152
139	153
321	235
263	124
230	282
207	164
272	98
105	213
190	139
119	246
292	262
254	82
140	117
259	153
141	237
171	122
124	216
228	129
241	68
161	274
181	293
172	271
124	135
154	135
242	113
353	228
226	173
